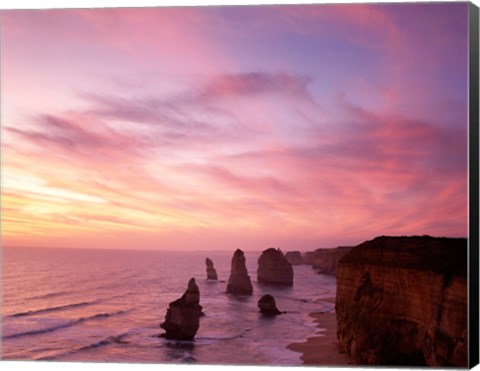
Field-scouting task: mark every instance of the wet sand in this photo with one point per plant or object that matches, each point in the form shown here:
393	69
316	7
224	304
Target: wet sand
322	349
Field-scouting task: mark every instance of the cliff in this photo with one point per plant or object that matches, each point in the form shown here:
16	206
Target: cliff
273	267
239	282
326	260
183	315
403	301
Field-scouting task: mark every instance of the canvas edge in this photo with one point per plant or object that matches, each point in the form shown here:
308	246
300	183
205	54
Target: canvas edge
473	185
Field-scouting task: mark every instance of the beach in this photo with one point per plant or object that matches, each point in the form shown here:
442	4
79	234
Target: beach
322	349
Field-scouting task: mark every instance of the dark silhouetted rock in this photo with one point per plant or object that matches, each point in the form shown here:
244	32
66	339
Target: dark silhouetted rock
403	301
182	318
294	257
273	267
325	260
239	282
268	306
211	272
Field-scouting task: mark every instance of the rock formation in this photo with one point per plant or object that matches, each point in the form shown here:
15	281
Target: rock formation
325	260
182	318
403	301
239	282
294	257
267	306
211	272
273	267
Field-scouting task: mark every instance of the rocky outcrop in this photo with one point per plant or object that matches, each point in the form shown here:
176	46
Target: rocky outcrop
294	257
267	306
273	267
325	260
239	282
403	301
183	315
211	272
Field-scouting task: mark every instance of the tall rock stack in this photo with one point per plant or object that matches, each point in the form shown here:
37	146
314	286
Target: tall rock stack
403	301
211	272
273	267
183	315
239	282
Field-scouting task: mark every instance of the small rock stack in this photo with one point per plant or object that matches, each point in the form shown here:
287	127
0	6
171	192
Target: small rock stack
183	315
294	257
267	306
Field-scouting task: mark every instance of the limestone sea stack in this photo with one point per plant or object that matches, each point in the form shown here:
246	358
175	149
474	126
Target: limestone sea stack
183	315
267	306
211	272
294	257
273	267
239	282
403	301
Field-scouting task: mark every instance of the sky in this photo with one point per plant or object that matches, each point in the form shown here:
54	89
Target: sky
216	128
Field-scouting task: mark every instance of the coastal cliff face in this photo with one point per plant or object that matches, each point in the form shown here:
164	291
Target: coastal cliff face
403	301
183	315
326	260
273	267
239	282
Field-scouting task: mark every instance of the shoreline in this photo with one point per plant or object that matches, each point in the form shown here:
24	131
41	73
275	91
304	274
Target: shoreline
322	349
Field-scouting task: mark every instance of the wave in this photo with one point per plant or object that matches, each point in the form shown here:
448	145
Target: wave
49	295
37	332
53	309
63	325
118	339
109	340
220	338
102	315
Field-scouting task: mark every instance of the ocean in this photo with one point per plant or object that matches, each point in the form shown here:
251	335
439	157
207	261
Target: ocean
106	306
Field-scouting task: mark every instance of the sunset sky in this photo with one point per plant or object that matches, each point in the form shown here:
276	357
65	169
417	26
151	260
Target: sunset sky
295	127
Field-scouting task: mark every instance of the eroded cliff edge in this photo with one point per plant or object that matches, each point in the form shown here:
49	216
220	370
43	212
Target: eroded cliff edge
403	301
325	260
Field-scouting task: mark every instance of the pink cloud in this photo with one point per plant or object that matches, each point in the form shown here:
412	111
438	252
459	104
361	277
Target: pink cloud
253	83
187	146
371	167
132	33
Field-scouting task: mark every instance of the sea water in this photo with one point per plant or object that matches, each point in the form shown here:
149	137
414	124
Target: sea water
106	306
